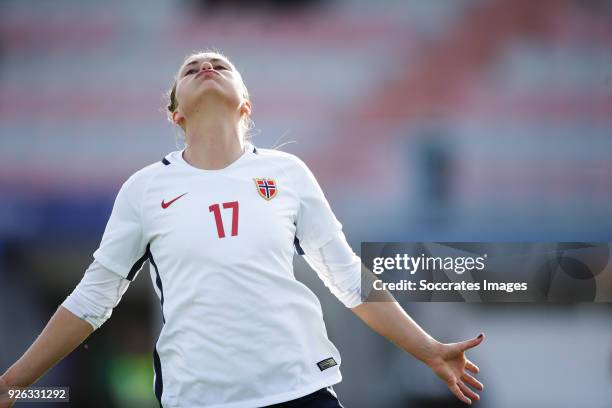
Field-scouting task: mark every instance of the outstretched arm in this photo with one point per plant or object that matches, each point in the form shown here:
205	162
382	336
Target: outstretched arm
324	246
340	270
86	309
448	361
63	333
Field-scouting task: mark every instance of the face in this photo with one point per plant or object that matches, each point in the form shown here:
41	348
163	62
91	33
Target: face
208	78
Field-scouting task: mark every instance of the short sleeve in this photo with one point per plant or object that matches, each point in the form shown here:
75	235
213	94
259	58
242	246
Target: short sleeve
316	223
123	247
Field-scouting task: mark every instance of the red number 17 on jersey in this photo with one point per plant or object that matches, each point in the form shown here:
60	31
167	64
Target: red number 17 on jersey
215	209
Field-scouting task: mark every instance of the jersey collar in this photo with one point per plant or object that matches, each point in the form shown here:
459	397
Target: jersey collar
249	150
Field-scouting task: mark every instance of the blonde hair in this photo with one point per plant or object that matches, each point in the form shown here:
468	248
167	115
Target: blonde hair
246	123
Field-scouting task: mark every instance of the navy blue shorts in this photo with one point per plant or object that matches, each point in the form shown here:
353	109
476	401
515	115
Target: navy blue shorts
324	398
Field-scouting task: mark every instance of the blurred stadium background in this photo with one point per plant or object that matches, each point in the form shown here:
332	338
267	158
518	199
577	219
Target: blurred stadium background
459	120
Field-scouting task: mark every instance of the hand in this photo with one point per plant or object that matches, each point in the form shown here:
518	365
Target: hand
4	398
450	364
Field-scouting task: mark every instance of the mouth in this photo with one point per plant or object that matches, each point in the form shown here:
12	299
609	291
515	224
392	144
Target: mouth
206	73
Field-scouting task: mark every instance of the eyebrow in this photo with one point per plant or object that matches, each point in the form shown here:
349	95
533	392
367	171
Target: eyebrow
212	61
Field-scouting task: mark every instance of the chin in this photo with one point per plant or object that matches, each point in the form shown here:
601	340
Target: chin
216	96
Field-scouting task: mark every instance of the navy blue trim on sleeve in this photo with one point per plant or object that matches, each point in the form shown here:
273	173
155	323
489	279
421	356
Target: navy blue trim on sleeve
298	248
165	161
158	282
137	265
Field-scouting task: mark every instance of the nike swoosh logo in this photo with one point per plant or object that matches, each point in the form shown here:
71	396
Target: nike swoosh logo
169	203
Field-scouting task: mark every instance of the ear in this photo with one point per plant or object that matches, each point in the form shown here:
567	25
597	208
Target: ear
177	117
245	109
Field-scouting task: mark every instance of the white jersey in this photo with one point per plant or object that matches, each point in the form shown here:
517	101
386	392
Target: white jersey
239	329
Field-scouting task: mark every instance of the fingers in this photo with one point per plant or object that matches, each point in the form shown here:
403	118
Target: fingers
467	391
472	381
472	367
468	344
459	394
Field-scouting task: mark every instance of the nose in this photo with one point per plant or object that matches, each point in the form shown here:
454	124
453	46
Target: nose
206	66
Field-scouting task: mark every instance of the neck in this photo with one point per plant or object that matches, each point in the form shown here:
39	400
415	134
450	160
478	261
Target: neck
212	143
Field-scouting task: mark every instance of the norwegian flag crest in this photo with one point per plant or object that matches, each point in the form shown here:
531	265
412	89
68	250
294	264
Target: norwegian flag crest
266	188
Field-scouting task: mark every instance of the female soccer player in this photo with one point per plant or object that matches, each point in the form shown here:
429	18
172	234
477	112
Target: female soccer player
219	222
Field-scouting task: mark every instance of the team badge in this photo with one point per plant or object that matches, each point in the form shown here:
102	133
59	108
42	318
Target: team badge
266	188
